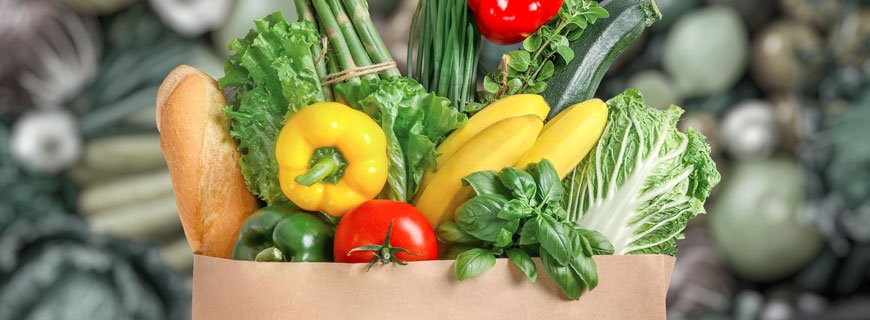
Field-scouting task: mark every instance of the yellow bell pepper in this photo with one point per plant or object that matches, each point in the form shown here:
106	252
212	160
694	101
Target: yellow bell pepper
331	158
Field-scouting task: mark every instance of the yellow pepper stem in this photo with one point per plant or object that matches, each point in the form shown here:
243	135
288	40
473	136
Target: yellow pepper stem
327	165
318	172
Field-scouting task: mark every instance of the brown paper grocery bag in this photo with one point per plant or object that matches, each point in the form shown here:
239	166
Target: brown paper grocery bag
630	287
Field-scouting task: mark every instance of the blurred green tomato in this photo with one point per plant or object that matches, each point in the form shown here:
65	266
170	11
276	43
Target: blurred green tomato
756	221
707	51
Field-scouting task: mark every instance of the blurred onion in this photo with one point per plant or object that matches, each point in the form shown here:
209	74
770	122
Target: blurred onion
786	56
46	142
750	130
816	12
192	17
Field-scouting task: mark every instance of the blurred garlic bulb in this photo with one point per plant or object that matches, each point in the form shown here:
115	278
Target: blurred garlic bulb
65	53
750	130
46	142
192	17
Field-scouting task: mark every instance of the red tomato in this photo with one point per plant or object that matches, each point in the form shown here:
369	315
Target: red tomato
367	226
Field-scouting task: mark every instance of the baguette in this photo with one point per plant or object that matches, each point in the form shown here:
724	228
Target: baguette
213	200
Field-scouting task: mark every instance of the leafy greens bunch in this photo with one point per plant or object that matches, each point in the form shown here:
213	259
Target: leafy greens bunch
644	180
414	120
518	214
277	70
526	70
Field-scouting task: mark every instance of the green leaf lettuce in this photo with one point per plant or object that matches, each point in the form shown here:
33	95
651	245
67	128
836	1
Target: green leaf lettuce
414	121
274	73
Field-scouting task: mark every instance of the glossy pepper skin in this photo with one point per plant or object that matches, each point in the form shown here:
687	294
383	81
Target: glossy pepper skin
284	233
331	158
512	21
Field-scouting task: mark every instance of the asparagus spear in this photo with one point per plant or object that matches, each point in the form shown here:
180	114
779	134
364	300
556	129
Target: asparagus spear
371	39
337	42
360	56
307	14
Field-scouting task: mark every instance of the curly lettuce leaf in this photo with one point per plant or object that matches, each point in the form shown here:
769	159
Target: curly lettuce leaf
414	121
644	180
273	72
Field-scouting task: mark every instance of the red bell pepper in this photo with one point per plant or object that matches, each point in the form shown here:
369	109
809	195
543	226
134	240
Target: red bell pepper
512	21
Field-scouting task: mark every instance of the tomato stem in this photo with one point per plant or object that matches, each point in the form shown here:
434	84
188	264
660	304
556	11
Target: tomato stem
384	253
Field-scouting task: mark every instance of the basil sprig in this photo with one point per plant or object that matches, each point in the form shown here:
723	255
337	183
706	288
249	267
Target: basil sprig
518	214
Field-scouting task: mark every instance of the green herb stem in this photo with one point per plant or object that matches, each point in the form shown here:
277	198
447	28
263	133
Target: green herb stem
544	46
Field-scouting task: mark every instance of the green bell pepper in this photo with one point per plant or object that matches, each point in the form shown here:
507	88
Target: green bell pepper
284	233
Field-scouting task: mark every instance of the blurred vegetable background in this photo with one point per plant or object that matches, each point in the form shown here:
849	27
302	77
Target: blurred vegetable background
781	88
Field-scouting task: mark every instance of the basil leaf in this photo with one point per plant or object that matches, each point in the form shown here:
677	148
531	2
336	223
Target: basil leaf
581	261
504	239
472	263
497	251
522	260
549	184
585	267
557	212
515	209
479	217
579	244
453	251
599	243
485	182
554	239
450	232
520	183
564	276
529	233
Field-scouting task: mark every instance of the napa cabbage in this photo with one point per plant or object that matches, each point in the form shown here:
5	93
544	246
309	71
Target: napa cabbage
643	181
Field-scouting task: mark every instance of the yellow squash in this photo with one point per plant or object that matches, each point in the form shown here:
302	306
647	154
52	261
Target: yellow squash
509	107
494	148
569	137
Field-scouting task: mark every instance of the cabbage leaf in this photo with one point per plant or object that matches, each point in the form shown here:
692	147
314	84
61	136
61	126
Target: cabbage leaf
644	180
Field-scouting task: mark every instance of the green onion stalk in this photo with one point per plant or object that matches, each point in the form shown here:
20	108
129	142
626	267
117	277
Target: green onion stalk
443	51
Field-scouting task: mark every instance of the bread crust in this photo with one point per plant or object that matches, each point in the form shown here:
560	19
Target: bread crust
213	200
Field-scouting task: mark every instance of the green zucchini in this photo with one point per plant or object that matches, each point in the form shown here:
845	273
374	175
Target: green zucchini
596	50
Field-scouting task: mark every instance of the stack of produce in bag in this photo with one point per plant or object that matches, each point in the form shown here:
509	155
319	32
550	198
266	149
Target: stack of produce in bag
313	148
